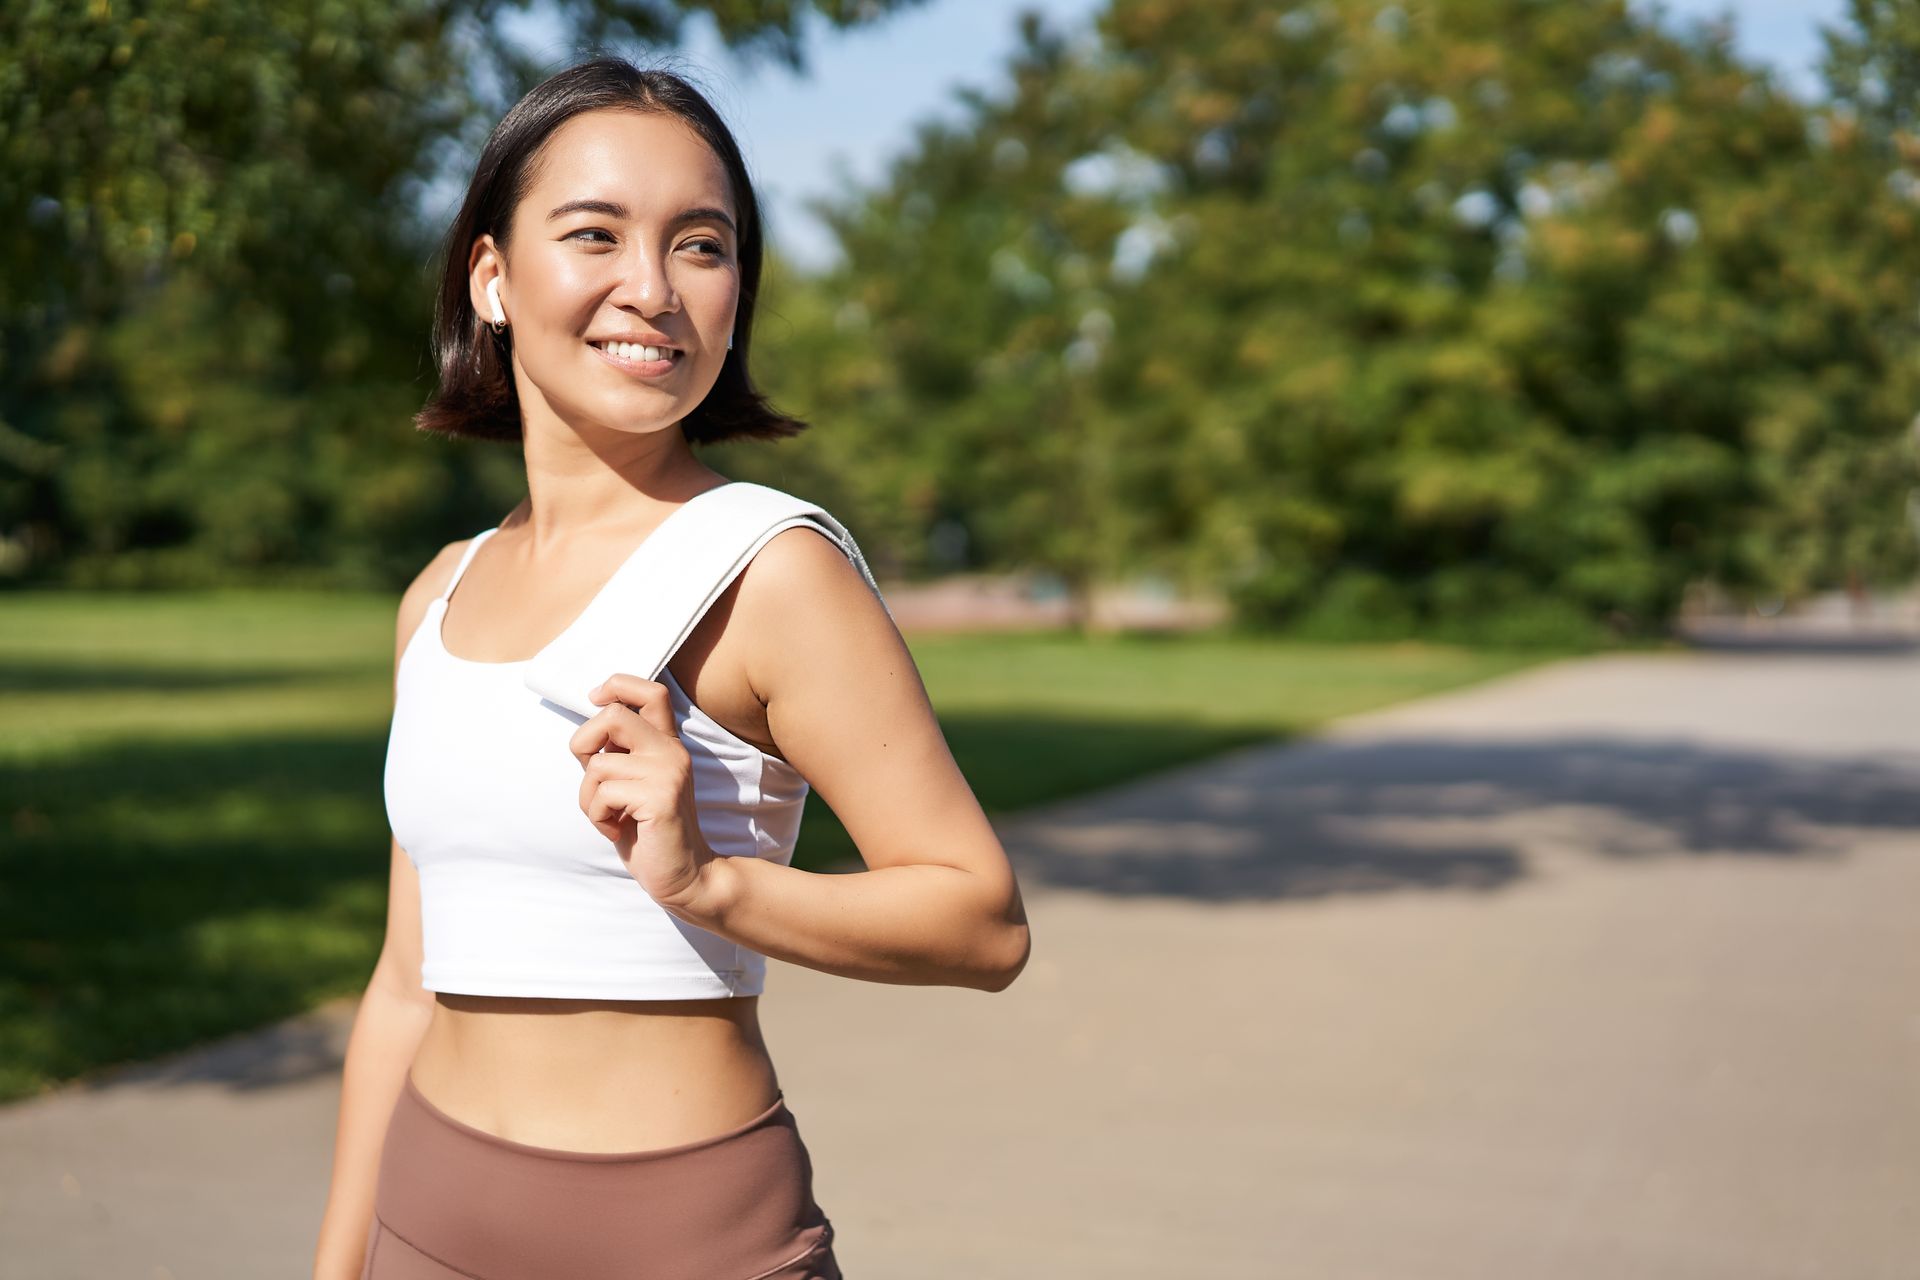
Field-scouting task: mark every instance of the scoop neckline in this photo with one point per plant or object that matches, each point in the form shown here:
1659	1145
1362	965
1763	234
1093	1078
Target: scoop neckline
440	643
514	664
432	629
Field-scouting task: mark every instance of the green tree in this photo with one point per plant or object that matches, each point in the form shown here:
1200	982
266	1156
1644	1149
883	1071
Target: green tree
215	306
975	308
1497	319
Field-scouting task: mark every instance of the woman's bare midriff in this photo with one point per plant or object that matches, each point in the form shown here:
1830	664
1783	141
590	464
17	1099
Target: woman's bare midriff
610	1075
596	1075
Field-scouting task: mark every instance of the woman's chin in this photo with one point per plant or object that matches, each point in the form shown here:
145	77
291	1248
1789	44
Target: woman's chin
640	424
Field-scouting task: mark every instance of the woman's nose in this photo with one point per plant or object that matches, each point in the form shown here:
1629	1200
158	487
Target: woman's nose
646	283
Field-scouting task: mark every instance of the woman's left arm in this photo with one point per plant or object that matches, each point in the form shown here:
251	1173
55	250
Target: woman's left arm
938	904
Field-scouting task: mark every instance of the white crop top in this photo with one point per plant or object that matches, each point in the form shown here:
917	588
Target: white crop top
519	894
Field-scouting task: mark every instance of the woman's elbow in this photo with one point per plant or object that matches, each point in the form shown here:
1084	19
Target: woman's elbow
1009	957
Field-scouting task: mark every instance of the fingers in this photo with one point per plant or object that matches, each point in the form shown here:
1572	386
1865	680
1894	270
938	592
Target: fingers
647	697
605	767
614	786
610	801
630	765
635	714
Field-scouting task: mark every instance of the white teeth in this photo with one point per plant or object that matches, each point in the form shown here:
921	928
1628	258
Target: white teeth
634	351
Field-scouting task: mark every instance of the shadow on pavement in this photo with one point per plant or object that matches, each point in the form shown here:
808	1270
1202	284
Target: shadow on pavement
1328	817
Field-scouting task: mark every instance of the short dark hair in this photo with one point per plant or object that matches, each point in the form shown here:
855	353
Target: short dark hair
476	398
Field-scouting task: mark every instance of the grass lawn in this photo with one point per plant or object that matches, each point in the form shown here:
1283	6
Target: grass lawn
195	840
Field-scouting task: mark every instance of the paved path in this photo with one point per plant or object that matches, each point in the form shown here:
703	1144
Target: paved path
1607	969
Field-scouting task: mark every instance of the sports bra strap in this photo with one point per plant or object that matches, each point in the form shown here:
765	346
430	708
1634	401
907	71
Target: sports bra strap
473	545
652	604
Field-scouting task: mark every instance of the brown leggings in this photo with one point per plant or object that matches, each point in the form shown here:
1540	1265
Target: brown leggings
458	1203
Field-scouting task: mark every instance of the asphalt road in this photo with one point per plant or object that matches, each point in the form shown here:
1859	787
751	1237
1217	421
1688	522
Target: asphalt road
1607	969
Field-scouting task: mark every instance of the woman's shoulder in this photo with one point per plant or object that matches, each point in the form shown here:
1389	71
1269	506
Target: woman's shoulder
426	587
800	596
433	578
801	564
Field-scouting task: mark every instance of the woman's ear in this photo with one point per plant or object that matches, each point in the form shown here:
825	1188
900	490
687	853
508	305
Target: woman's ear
484	264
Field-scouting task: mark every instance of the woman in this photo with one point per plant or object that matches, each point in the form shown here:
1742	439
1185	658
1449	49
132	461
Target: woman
551	1078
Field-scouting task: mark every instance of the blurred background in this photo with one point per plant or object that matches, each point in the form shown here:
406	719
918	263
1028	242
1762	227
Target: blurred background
1205	380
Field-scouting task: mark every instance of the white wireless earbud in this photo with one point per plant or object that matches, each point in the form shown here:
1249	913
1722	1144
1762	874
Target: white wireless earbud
493	296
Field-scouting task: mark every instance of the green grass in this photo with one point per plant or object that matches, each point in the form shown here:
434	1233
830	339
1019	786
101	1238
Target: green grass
192	833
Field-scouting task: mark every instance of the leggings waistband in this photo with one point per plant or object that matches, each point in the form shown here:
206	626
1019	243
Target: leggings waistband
736	1205
771	1115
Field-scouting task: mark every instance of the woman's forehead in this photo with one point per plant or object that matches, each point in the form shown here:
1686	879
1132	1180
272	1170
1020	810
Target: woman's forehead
646	161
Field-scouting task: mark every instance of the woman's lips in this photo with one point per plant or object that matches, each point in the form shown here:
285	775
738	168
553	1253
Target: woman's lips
640	368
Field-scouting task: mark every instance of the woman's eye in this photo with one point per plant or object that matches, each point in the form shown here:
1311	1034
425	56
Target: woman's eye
708	248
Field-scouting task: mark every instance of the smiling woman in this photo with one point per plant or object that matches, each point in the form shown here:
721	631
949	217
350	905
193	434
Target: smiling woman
688	234
672	241
643	352
558	1067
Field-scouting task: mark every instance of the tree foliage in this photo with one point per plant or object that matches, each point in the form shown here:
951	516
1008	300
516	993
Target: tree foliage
214	309
1500	319
1495	317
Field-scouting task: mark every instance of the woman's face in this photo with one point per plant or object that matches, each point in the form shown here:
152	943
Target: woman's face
628	232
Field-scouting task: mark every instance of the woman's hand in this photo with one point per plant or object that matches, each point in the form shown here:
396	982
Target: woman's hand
638	792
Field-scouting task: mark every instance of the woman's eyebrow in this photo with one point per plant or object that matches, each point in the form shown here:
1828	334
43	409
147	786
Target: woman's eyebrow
614	209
